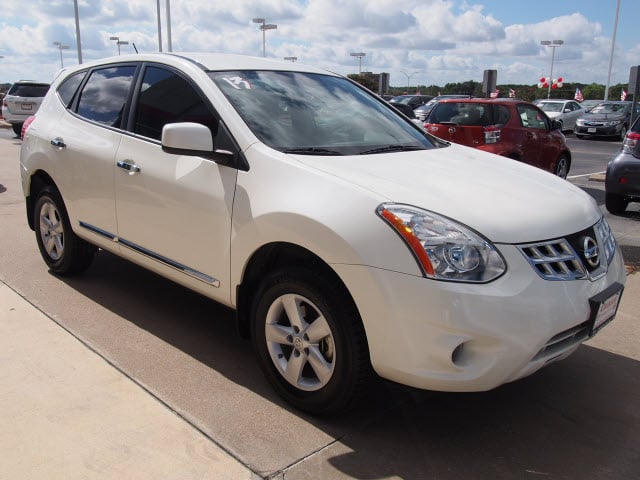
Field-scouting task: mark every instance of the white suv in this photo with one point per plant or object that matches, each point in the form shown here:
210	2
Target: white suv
348	240
22	100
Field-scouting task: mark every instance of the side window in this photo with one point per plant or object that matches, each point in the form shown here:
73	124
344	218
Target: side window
68	87
105	94
502	114
166	97
531	117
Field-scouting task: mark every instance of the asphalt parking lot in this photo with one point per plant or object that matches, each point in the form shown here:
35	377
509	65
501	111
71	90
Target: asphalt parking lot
179	363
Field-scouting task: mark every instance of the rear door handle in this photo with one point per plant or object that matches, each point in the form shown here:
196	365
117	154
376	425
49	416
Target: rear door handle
128	165
58	142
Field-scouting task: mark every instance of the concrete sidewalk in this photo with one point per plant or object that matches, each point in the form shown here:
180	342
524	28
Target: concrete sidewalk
68	414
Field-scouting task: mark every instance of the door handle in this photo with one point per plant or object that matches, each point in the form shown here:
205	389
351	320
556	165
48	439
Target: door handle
58	142
129	166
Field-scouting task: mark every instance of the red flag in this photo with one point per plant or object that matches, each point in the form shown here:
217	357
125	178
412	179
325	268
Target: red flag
512	93
578	96
623	95
495	94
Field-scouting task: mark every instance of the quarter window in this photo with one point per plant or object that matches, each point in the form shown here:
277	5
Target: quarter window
67	89
165	97
105	95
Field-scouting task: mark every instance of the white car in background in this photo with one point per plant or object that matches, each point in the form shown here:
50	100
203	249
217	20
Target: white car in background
21	101
564	111
348	240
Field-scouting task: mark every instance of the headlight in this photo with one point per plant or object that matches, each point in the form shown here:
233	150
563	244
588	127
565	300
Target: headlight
580	122
444	249
611	123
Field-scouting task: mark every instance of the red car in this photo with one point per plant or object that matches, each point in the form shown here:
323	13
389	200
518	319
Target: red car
511	128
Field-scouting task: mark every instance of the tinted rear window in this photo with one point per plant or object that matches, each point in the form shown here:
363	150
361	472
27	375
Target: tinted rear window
28	90
105	95
473	114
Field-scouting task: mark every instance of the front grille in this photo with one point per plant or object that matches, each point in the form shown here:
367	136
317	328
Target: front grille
585	254
563	341
554	260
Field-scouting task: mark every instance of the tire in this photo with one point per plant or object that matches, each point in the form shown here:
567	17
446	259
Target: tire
623	132
310	341
562	167
17	128
64	253
615	203
579	136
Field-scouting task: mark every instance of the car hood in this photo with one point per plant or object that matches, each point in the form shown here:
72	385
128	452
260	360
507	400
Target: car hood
599	117
506	201
553	114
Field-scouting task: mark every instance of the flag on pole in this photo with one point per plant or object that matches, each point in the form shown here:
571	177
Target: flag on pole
495	93
623	95
512	93
578	96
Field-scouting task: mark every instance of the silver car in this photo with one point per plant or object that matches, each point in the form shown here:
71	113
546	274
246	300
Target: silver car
564	111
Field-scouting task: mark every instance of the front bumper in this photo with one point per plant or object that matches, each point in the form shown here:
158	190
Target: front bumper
468	337
598	131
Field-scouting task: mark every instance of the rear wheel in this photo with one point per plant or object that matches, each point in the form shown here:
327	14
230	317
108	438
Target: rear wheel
64	252
562	167
310	341
17	128
615	203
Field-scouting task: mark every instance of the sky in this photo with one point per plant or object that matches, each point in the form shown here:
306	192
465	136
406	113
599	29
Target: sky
426	42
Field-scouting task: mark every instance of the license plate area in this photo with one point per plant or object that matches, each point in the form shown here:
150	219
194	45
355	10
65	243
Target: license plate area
27	106
604	307
591	130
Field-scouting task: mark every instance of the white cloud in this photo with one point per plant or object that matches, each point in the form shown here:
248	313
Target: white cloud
443	40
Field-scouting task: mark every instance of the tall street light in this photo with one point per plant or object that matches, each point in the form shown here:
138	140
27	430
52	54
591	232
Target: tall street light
613	47
61	47
264	27
119	42
551	44
359	55
408	75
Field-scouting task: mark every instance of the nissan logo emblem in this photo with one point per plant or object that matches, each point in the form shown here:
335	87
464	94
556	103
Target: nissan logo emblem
591	252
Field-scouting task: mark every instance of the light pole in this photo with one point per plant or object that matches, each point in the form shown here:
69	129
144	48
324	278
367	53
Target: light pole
61	47
359	55
119	42
613	47
408	75
552	44
264	27
291	59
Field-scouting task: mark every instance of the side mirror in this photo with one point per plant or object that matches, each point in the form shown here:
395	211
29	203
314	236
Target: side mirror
556	125
194	139
187	139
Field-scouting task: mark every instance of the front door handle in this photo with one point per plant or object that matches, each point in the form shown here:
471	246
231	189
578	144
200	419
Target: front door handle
58	142
128	165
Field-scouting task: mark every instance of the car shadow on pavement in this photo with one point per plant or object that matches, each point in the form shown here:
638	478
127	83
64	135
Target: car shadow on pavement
575	419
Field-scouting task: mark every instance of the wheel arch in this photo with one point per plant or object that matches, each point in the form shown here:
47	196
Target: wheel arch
38	182
268	258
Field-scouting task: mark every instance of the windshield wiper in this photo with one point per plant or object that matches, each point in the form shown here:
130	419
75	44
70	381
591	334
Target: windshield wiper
393	148
311	151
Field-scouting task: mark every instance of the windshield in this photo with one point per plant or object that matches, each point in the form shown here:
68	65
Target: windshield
551	106
610	108
315	114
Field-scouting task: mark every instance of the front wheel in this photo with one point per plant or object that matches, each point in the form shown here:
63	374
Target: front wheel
615	203
562	167
63	252
623	132
310	341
